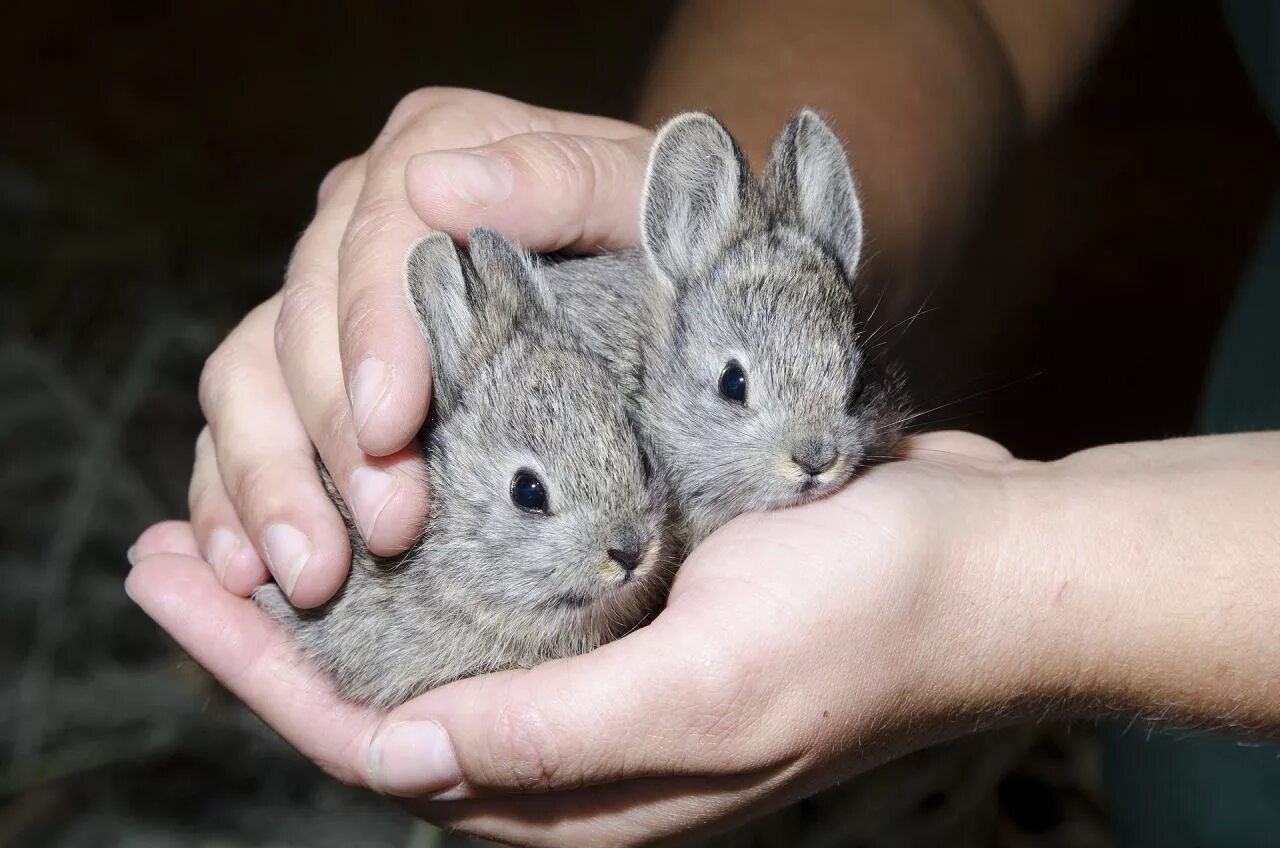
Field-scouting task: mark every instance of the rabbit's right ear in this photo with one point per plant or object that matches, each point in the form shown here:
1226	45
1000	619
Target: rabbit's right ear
466	304
696	191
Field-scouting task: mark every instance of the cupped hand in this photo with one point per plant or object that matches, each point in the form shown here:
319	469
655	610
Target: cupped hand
797	647
335	365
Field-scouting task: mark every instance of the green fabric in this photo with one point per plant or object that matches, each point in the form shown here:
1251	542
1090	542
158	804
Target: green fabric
1180	790
1243	390
1191	791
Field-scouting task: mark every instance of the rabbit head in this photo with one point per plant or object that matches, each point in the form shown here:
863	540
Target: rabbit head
765	394
547	530
544	508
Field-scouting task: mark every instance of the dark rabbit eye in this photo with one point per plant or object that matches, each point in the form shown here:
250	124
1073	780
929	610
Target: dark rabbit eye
733	383
528	493
855	393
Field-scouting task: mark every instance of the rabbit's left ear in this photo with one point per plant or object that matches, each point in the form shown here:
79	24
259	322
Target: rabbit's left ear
696	193
808	183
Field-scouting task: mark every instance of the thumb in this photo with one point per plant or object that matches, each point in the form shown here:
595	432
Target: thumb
627	710
546	191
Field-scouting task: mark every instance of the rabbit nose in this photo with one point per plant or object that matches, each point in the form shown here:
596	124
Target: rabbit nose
628	558
814	459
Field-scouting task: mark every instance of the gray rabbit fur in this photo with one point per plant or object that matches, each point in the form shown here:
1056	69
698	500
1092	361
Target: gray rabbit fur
760	276
492	585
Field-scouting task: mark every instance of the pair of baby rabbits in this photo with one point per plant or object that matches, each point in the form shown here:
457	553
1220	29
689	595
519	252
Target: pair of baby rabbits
595	418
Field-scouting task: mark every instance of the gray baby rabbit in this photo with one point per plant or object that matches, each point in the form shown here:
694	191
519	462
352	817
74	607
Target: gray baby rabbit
738	320
546	532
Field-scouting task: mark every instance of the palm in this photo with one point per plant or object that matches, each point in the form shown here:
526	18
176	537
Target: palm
788	641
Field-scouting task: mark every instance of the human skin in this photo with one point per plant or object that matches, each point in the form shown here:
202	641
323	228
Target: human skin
954	590
334	364
273	392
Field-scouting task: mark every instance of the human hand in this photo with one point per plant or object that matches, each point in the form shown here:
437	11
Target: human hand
796	647
335	363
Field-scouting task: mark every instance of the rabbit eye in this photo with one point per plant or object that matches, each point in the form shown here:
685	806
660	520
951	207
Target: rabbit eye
855	393
528	492
733	383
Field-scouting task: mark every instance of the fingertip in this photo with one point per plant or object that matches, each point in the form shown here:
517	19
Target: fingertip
174	537
401	515
163	585
393	425
390	389
244	572
318	579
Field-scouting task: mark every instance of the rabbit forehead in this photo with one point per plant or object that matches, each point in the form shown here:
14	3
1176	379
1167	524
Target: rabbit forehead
785	306
544	403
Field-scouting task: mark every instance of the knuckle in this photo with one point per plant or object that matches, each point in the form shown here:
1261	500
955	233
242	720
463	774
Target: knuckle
305	291
253	488
414	105
204	443
562	158
337	175
334	431
524	754
564	165
215	375
361	318
202	491
374	219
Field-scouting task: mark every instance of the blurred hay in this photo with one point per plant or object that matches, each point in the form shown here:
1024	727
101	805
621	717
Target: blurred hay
109	736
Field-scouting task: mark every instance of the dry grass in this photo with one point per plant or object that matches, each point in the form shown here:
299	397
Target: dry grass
109	735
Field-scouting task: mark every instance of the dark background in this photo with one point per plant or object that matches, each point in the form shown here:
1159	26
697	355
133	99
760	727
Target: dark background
156	164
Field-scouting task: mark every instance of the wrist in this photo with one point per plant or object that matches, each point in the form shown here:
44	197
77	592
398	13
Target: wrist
995	635
1132	578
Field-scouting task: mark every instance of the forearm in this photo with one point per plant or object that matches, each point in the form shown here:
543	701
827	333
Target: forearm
1146	580
927	95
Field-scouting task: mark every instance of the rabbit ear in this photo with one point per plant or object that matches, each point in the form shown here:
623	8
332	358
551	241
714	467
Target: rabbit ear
466	305
808	183
509	279
696	191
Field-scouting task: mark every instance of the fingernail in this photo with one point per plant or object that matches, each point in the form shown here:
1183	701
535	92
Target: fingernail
412	758
371	489
222	545
368	386
288	550
131	554
478	180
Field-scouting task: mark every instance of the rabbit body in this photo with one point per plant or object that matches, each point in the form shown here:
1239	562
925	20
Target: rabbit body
493	584
738	322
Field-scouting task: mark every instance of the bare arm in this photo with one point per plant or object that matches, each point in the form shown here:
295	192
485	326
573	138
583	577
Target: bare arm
959	588
1155	588
927	95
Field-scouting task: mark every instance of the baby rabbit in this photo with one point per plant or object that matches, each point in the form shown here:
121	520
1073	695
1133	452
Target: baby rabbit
546	533
738	319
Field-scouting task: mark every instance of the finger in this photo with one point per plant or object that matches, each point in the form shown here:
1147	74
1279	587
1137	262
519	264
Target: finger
165	537
387	495
662	701
221	537
547	191
956	443
267	466
253	657
384	357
